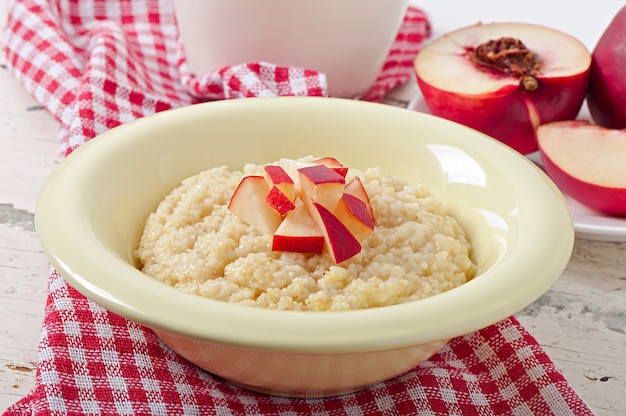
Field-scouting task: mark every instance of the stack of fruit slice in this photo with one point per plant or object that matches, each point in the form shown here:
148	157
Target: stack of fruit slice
307	207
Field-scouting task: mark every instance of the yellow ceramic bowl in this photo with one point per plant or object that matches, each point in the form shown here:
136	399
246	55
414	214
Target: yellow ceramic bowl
92	209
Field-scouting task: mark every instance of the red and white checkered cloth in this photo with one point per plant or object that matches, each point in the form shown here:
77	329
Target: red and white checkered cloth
95	64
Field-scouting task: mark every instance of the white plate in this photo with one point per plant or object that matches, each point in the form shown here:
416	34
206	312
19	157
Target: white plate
589	224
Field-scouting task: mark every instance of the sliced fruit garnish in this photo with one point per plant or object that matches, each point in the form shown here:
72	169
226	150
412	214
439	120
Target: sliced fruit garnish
248	203
332	163
307	207
278	177
338	240
298	233
355	187
354	214
321	184
278	201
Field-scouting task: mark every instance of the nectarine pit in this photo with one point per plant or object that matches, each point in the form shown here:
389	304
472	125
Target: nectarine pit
509	56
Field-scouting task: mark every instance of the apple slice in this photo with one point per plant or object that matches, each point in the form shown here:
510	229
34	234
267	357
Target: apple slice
504	79
355	187
248	203
298	233
278	201
354	214
332	163
587	162
278	177
321	184
291	167
338	240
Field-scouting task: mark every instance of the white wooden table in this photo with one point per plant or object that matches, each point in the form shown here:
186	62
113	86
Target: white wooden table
580	322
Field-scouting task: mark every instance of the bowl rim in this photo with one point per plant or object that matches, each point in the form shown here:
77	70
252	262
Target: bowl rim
301	332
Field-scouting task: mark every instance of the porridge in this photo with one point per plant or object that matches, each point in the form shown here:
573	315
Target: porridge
194	243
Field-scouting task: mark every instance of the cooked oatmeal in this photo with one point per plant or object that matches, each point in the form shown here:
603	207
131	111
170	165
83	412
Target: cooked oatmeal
194	243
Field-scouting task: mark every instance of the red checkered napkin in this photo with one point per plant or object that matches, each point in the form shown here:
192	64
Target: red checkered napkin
95	64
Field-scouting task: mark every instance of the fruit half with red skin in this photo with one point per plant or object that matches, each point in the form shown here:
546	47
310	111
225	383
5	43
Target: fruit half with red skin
587	162
607	86
504	79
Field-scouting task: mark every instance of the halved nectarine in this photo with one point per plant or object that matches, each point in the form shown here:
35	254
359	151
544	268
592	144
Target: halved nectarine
504	79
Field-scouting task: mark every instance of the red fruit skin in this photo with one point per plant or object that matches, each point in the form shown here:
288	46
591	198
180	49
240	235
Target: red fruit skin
605	199
607	84
277	174
504	114
340	242
298	244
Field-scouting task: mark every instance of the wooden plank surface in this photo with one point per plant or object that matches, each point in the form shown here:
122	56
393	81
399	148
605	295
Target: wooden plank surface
580	322
28	148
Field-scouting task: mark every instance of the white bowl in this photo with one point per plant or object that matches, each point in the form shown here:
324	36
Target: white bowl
347	40
92	210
